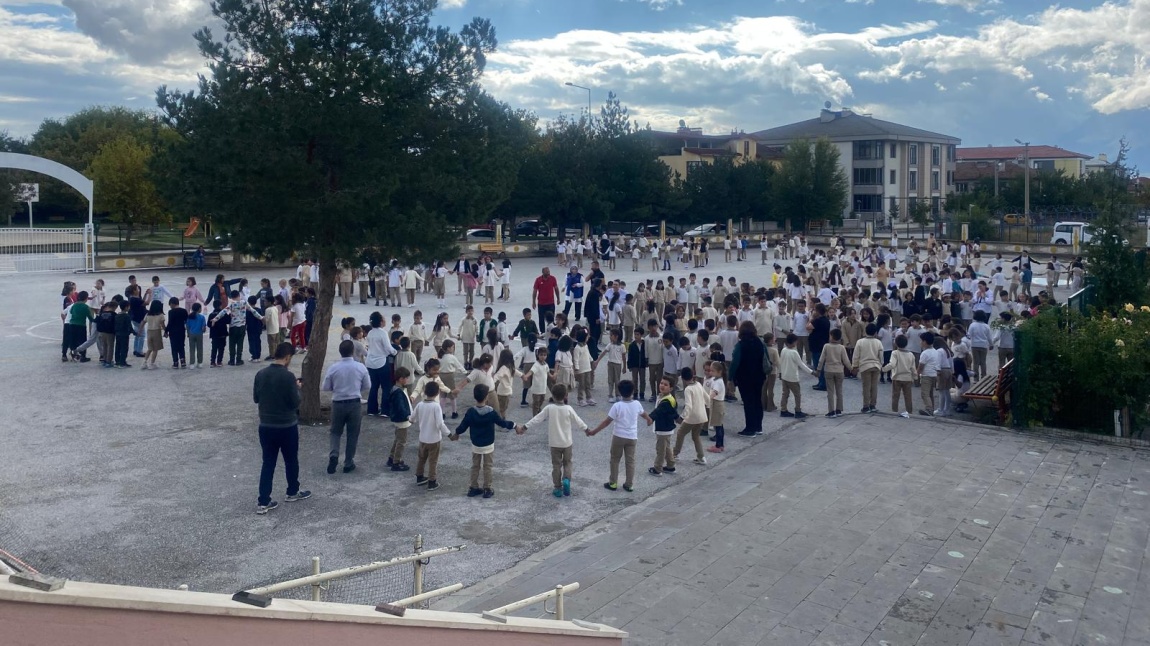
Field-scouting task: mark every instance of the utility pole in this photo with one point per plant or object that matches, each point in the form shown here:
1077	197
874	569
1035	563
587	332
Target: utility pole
1026	178
570	84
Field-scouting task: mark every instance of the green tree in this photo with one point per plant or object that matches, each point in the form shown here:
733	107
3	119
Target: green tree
920	212
327	127
1120	274
76	140
10	179
810	185
127	192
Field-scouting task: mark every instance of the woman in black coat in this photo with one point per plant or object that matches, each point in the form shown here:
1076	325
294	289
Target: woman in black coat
747	375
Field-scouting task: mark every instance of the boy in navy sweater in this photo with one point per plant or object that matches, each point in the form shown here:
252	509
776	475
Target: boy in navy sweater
481	420
125	328
254	322
399	410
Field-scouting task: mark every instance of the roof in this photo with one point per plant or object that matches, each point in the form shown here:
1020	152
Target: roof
1003	153
846	125
709	152
971	170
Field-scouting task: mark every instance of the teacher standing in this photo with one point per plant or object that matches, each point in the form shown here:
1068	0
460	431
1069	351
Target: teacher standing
748	376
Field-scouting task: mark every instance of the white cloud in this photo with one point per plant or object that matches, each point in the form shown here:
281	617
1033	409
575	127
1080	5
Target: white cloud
659	5
452	4
968	5
1040	95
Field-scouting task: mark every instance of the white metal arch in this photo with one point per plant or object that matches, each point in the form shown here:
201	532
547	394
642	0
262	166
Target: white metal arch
52	169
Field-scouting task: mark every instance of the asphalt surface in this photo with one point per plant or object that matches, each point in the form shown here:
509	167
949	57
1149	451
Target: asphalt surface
149	477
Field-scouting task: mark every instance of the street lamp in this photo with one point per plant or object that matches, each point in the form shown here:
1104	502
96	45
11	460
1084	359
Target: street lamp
1026	178
570	84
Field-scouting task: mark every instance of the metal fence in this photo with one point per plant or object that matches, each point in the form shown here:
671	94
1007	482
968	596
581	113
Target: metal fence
366	584
35	250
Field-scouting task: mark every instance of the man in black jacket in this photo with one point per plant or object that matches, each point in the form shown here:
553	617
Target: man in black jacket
276	392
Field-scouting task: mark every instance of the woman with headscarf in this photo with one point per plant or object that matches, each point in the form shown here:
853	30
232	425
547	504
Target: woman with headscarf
747	375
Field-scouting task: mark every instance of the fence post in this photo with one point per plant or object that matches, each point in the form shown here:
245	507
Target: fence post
417	579
559	602
315	587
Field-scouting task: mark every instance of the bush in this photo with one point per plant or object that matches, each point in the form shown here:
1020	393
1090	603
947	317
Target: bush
1082	368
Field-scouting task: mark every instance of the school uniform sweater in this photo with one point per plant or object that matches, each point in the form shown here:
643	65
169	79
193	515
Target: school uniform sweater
481	422
560	419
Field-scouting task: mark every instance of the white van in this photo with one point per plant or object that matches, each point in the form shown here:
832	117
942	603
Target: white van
1064	233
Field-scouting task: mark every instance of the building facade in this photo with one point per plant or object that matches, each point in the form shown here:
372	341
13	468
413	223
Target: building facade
1042	158
888	165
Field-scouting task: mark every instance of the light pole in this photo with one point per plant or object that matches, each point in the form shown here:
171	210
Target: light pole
570	84
1026	178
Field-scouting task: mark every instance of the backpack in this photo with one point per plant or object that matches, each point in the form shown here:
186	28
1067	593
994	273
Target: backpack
768	366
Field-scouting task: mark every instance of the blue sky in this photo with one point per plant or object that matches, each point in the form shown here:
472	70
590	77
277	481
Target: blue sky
1072	74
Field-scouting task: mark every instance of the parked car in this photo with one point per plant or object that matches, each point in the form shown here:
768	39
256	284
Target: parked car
480	235
532	228
709	229
1018	219
1064	233
652	231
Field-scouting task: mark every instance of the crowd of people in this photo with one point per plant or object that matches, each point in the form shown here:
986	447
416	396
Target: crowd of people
926	316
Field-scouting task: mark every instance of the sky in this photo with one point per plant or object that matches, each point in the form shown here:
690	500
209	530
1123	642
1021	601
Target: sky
1072	74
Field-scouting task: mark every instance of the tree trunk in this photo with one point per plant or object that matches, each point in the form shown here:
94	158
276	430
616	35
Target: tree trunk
312	371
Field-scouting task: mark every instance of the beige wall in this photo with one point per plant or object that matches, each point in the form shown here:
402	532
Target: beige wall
87	614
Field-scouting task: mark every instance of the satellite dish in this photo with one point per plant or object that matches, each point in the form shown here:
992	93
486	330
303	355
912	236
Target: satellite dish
682	123
827	105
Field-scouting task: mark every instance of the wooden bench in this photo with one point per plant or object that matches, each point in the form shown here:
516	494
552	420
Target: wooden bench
494	248
995	389
211	259
816	225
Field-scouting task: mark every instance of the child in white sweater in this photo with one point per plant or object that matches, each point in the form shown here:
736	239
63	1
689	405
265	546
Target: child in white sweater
560	419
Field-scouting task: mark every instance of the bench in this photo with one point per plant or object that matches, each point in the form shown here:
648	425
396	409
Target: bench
816	225
495	248
211	259
995	389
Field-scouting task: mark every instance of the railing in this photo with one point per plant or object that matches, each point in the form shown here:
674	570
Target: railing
33	250
500	614
419	559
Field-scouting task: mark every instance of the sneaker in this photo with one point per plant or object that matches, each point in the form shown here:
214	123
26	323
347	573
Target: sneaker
399	466
865	409
523	404
715	438
257	360
263	509
610	486
937	413
785	413
800	415
432	485
489	492
904	415
668	469
654	472
348	467
303	494
455	415
239	362
566	486
651	399
231	363
580	403
746	433
420	480
390	462
175	366
331	464
758	432
925	413
612	400
715	449
830	415
701	460
704	433
592	402
627	487
474	491
817	388
558	493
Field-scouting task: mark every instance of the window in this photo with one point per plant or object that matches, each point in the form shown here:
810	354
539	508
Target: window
913	155
893	204
949	177
950	153
934	180
867	176
935	155
912	180
868	149
1046	165
892	177
935	205
893	149
693	166
867	203
746	149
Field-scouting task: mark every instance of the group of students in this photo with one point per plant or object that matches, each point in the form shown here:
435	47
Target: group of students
231	316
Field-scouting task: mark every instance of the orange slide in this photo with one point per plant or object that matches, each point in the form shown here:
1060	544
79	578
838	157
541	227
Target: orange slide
192	226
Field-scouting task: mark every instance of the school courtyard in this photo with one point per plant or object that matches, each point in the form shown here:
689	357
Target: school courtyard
857	530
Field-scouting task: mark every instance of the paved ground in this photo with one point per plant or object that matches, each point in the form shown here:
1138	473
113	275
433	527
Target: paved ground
128	476
869	530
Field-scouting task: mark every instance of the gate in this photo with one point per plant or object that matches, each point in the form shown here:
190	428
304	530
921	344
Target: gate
33	250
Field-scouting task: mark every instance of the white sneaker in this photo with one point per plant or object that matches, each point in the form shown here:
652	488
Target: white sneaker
700	460
611	400
904	414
